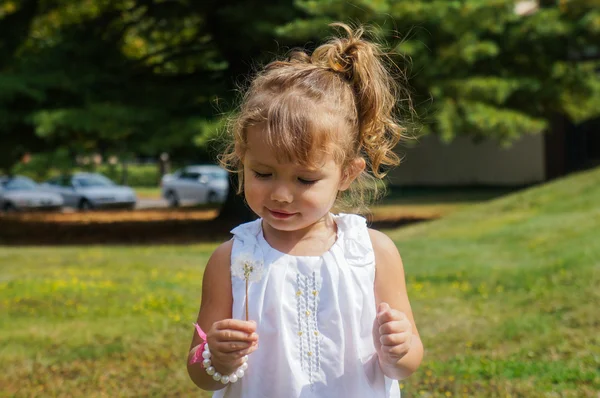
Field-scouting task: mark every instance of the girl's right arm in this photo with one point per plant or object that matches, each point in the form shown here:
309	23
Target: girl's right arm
229	339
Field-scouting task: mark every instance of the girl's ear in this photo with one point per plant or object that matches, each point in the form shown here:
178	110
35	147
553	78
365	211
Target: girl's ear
351	172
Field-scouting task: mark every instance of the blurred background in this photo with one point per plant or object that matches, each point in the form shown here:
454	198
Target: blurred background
111	201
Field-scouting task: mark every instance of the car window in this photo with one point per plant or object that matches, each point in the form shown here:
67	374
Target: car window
190	175
218	175
93	181
64	181
19	184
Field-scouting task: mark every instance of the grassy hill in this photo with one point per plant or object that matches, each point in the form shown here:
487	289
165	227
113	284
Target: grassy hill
505	294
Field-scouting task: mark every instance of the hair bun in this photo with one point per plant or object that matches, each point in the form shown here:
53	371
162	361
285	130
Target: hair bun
362	64
341	54
341	60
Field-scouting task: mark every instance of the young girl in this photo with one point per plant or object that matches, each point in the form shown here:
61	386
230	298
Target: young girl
325	296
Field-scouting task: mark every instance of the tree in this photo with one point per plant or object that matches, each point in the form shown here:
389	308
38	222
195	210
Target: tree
478	68
138	76
153	76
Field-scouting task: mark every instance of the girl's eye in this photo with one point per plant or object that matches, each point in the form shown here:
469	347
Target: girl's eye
261	175
306	182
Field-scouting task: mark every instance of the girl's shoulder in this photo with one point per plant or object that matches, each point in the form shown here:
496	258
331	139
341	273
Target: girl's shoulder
218	263
381	242
387	257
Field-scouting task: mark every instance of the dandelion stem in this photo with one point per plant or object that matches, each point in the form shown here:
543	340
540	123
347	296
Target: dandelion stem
246	299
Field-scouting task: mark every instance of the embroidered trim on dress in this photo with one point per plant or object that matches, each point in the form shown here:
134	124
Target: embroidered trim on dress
307	303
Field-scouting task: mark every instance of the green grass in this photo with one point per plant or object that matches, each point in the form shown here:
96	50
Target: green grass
505	294
100	321
428	203
148	192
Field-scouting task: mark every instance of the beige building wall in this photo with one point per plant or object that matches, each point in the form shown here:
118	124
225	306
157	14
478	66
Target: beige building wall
462	162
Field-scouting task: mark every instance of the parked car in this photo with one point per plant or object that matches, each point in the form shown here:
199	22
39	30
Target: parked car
22	193
197	184
86	191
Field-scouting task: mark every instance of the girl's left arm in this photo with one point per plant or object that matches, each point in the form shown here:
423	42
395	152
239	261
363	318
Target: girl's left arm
395	333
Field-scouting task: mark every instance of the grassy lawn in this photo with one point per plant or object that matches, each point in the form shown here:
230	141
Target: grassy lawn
147	193
505	294
427	203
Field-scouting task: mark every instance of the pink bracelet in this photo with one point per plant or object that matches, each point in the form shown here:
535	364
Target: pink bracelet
203	355
197	357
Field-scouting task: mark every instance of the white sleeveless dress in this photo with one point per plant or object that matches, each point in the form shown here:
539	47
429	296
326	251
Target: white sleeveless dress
314	318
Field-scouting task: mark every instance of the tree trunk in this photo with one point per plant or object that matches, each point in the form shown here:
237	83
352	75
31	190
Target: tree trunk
124	172
235	210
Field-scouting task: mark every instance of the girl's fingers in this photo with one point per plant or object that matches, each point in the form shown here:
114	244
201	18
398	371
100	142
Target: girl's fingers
230	340
394	339
395	327
240	353
233	359
229	335
387	314
247	327
396	351
230	346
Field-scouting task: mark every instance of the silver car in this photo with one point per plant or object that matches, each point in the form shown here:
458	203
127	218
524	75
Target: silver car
22	193
194	185
86	191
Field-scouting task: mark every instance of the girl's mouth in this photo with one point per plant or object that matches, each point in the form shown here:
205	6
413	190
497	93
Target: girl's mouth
280	215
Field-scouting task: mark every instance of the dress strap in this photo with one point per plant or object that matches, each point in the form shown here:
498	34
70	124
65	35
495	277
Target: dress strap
246	243
356	241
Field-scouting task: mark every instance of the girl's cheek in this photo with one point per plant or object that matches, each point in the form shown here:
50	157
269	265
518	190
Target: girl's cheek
255	187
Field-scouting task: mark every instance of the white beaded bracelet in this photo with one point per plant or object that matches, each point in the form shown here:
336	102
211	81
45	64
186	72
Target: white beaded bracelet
232	378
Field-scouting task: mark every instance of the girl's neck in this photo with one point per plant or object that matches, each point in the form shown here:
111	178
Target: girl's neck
313	240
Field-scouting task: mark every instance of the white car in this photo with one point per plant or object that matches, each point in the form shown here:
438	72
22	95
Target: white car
86	191
22	193
194	185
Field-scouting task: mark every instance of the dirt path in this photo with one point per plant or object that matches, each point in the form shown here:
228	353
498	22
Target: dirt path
137	227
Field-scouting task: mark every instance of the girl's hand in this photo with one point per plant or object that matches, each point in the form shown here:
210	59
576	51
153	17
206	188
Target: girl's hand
229	340
395	333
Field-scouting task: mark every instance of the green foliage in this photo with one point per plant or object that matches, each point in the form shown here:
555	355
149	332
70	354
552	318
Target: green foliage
489	72
138	175
148	77
44	166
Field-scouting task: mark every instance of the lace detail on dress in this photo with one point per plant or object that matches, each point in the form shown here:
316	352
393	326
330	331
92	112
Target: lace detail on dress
307	305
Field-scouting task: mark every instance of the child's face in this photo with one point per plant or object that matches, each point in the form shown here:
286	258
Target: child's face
288	196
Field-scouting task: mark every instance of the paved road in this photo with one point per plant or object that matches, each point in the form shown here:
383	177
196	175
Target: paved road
151	204
140	205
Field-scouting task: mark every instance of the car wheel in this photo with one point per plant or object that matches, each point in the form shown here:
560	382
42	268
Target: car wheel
172	199
85	205
9	208
212	197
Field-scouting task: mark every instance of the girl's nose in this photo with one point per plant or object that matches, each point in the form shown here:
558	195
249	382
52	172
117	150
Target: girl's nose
281	193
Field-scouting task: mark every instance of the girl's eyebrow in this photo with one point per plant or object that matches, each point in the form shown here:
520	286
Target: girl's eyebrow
309	171
257	163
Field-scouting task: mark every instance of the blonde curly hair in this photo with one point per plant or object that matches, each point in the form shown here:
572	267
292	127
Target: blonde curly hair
340	99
